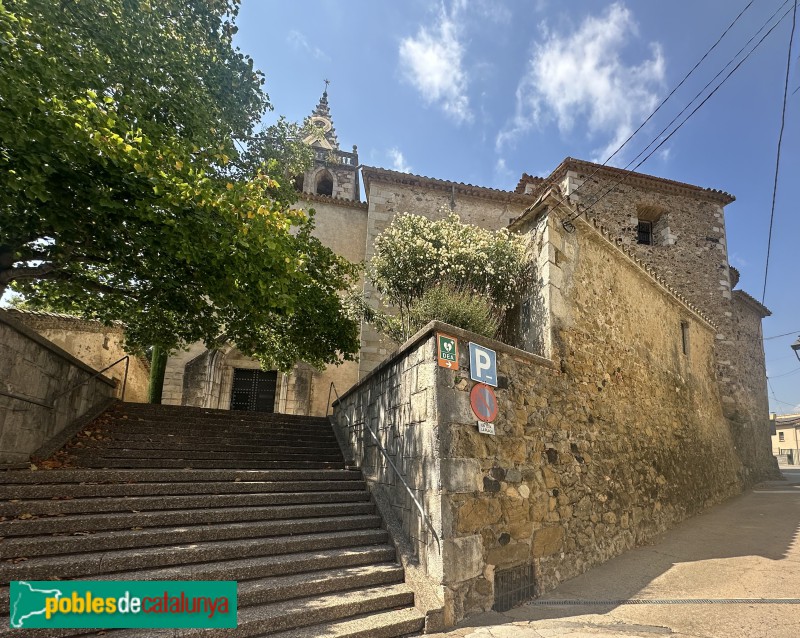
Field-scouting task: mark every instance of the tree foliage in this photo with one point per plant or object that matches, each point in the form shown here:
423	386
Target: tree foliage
415	255
135	185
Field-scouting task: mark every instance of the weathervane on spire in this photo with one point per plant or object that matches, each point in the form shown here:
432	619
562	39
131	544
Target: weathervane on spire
327	82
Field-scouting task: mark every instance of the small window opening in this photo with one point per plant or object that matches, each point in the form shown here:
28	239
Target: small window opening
781	437
325	184
685	337
644	232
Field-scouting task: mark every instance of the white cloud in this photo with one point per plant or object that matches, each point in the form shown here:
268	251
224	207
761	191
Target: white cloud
580	76
398	161
299	42
503	175
433	63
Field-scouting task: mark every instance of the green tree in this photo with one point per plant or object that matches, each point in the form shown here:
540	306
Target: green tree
445	270
135	184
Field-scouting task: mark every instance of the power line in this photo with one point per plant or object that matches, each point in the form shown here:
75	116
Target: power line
672	92
778	155
627	172
680	84
785	334
786	374
776	399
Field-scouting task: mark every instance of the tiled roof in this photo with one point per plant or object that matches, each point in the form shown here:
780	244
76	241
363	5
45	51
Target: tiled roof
629	177
327	199
525	180
753	303
372	173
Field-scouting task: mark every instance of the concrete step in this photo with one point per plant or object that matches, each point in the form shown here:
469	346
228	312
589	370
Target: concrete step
163	490
51	507
268	590
298	454
323	579
190	411
269	619
78	475
142	556
67	524
114	539
234	446
174	422
102	462
223	428
389	624
303	612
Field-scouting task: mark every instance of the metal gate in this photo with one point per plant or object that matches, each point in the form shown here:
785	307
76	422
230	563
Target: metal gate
254	390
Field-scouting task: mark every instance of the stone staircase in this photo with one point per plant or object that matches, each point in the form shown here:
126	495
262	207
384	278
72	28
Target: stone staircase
173	493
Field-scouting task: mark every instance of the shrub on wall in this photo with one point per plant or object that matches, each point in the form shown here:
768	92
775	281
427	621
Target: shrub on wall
446	270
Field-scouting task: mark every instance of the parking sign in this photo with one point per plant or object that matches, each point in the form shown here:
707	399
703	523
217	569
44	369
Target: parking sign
482	364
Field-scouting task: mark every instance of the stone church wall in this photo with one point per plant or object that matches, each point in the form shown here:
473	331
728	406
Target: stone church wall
616	437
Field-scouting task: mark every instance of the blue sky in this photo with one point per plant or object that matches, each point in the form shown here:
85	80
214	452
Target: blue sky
481	91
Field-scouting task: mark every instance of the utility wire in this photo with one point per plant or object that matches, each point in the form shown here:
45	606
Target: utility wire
680	84
627	171
785	334
785	374
772	390
671	93
778	154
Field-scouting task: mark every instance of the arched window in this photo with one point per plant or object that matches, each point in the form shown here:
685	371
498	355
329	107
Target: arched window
324	184
299	182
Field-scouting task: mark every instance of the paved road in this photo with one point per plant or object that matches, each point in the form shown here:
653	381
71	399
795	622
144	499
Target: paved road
748	547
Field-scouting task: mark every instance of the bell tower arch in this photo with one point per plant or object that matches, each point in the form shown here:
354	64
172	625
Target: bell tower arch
335	172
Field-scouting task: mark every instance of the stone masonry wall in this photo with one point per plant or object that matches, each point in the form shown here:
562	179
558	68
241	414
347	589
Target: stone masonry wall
690	251
618	437
623	439
94	344
398	403
33	367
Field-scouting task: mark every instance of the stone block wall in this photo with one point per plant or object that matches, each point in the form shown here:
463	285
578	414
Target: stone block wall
398	403
615	437
690	252
38	370
93	343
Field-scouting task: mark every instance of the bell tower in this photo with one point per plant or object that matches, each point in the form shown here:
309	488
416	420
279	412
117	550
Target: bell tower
335	172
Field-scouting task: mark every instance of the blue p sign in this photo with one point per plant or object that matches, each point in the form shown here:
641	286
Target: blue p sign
482	364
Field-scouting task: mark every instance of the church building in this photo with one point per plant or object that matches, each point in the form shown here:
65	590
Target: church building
676	230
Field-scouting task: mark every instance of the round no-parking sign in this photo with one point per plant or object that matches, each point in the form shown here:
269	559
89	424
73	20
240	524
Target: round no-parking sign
484	402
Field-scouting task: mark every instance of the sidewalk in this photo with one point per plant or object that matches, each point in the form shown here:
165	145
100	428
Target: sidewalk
746	548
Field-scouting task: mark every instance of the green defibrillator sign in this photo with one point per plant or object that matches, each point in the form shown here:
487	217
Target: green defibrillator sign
447	350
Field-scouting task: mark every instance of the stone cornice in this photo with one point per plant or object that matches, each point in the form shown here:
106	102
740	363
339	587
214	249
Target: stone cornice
649	182
385	175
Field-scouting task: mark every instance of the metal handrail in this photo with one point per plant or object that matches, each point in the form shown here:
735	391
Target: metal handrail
52	403
126	359
383	451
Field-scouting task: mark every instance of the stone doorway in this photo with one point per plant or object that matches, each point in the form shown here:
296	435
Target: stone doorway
254	390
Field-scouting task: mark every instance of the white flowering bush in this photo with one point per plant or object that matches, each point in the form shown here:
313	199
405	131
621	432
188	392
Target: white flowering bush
415	255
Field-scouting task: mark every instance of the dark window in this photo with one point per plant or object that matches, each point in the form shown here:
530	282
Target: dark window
781	437
644	232
685	337
325	184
